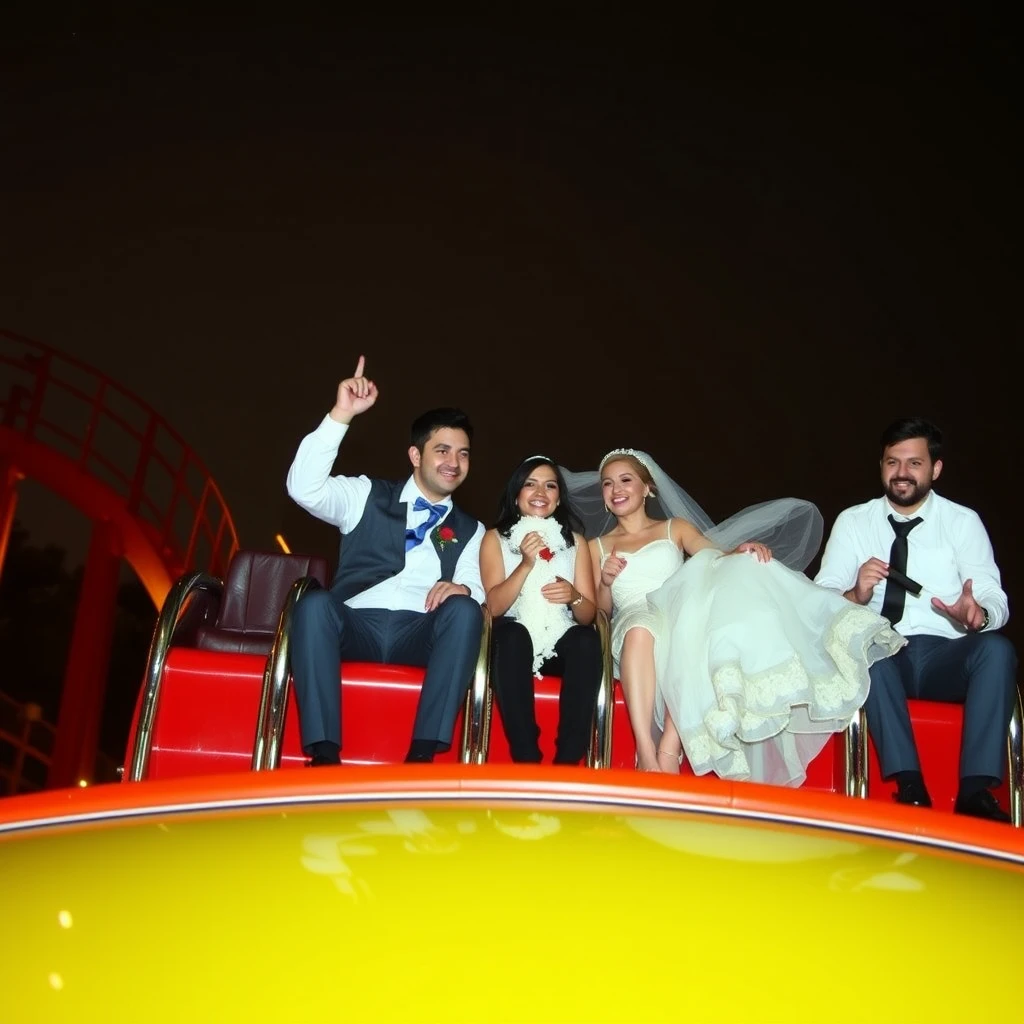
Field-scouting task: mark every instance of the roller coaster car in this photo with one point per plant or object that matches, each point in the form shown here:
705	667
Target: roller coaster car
216	695
216	698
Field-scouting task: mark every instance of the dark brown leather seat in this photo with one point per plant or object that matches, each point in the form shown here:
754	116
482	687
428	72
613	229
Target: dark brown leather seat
255	590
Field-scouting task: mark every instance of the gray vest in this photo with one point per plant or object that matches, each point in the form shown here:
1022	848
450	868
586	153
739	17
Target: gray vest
375	550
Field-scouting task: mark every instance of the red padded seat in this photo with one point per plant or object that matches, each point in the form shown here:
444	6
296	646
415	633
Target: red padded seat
209	691
937	728
206	719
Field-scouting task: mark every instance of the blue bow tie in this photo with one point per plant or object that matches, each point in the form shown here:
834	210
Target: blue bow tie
414	537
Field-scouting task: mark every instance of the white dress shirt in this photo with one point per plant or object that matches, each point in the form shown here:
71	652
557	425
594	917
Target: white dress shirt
950	545
341	501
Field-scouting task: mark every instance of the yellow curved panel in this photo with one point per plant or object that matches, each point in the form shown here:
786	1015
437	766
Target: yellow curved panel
472	912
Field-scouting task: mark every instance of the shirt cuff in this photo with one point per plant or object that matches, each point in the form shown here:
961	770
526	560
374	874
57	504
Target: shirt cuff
331	429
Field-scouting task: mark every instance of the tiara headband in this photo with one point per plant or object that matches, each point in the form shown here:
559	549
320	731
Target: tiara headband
530	458
640	457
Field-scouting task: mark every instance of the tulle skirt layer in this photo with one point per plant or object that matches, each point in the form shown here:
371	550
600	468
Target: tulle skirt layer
756	664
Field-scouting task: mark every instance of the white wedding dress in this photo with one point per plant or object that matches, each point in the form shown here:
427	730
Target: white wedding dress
756	664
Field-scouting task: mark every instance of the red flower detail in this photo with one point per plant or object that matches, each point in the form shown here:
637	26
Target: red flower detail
444	535
546	553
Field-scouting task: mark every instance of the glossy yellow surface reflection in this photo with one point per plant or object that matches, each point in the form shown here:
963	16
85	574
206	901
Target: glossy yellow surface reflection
461	912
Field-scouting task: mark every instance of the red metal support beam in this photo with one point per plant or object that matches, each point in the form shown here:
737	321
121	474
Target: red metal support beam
10	477
85	678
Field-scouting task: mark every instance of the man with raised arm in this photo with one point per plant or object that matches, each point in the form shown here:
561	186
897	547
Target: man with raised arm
407	590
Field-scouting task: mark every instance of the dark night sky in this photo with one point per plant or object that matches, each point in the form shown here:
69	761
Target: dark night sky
742	242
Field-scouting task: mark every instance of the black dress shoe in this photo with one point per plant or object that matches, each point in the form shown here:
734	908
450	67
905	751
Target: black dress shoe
981	805
318	760
912	792
421	752
418	757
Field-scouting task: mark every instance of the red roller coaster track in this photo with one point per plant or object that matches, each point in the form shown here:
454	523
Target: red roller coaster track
151	501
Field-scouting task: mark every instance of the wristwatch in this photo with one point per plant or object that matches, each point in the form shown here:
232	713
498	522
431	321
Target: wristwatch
984	621
579	601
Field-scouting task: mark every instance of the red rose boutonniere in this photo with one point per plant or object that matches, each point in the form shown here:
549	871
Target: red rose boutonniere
546	553
445	535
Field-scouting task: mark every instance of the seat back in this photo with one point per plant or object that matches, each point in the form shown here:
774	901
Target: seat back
204	677
223	698
255	590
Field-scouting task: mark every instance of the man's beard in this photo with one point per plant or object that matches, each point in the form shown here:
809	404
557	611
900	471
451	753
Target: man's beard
914	496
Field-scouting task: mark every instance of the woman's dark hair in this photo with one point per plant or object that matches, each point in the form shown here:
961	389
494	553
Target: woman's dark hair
508	505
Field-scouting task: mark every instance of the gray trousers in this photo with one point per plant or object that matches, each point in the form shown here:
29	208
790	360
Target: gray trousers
978	670
326	631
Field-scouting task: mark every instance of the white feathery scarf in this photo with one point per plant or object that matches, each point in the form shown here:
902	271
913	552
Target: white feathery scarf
544	621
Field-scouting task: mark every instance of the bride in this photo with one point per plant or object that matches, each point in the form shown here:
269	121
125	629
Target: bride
726	652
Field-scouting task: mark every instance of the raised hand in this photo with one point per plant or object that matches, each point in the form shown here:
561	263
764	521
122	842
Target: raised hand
871	573
530	546
613	565
355	395
965	609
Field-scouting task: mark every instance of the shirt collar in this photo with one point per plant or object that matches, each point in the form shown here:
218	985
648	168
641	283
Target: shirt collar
902	517
410	492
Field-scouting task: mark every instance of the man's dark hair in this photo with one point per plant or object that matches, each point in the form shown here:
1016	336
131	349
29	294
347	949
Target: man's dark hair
435	419
508	504
910	427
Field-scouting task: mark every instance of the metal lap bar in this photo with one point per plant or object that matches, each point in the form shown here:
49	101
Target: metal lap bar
855	741
266	751
174	605
476	720
1015	757
600	753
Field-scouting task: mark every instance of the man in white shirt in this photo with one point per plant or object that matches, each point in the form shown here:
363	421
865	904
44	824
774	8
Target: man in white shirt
927	565
407	590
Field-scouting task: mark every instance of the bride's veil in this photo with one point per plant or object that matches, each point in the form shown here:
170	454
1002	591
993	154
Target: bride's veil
792	527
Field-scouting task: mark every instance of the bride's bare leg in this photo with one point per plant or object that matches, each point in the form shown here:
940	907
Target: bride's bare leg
670	747
636	673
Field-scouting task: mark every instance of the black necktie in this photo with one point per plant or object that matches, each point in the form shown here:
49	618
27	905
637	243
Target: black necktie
895	595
